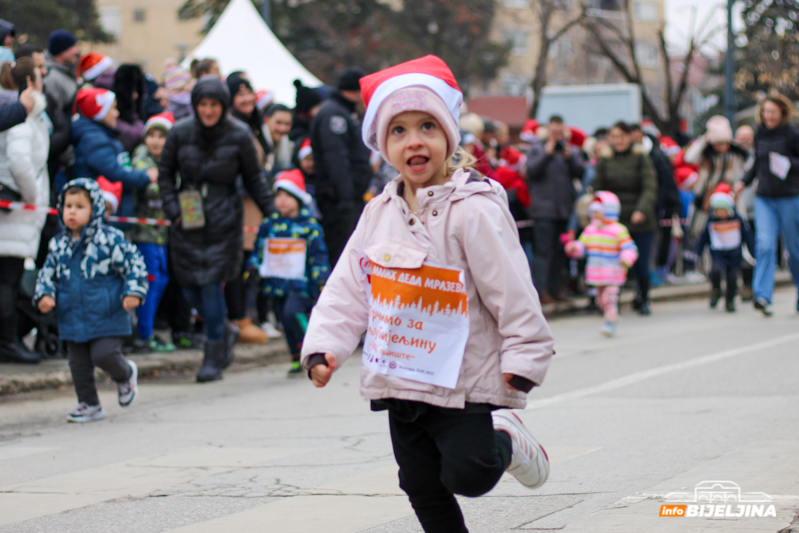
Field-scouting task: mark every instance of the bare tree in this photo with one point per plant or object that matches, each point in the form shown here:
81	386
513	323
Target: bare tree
618	44
544	11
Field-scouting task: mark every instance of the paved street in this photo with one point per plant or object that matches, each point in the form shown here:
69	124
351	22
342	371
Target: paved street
685	396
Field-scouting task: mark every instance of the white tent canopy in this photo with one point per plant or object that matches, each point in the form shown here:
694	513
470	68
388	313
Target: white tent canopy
241	40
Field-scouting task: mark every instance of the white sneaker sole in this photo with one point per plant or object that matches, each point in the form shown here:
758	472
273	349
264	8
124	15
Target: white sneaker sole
134	379
530	474
99	415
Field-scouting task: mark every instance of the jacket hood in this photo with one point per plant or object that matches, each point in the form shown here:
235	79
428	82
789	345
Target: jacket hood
98	204
5	28
609	204
211	87
462	184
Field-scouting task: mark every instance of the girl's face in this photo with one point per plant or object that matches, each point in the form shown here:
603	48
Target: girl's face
417	148
110	119
280	125
772	115
244	102
77	211
619	140
597	215
286	204
154	141
209	111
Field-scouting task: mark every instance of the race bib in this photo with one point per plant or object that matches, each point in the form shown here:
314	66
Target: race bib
725	235
418	323
283	259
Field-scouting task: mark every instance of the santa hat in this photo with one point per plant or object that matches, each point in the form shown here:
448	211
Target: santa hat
305	149
92	65
264	97
528	133
512	158
669	146
722	200
611	206
576	136
425	84
111	192
94	103
293	182
162	121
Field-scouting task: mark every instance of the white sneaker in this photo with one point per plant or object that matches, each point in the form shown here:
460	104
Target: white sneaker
127	390
86	413
271	331
529	463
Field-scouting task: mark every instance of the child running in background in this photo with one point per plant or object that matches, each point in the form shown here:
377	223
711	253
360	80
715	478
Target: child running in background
291	258
436	277
610	251
92	277
725	233
151	240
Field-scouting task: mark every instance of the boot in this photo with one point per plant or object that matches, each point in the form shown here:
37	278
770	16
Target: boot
213	362
232	335
250	333
715	296
16	352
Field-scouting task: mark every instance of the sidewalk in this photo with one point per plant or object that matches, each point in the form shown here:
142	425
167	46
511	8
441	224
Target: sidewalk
54	373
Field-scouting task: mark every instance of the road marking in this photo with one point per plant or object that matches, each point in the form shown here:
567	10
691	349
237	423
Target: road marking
637	377
135	478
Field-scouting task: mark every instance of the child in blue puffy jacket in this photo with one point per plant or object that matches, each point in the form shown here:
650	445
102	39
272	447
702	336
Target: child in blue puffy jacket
93	278
291	257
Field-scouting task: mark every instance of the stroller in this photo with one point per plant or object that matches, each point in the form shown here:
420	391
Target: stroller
47	342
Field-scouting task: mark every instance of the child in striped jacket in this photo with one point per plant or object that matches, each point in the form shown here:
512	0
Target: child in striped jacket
610	251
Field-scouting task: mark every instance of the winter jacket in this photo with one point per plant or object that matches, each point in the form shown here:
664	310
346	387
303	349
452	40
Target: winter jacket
99	153
668	199
23	167
726	239
60	83
631	176
89	277
209	160
11	114
463	224
610	251
550	178
341	160
714	168
783	140
317	264
147	203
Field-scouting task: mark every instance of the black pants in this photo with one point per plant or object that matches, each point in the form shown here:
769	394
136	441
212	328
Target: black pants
549	257
106	354
11	269
287	310
731	277
338	225
443	452
174	307
236	293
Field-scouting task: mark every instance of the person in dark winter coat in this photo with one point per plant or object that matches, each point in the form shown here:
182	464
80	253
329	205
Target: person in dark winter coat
341	162
210	151
306	107
776	167
129	86
244	108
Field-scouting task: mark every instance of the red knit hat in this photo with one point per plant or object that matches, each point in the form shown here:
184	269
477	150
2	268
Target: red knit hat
293	182
429	73
164	121
94	103
305	149
92	65
112	192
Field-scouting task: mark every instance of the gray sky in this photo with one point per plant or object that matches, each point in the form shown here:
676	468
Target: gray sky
678	16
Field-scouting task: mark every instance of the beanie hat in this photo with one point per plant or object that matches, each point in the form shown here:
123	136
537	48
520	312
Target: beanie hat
235	82
94	103
305	149
307	98
722	200
350	79
425	84
472	123
60	41
293	182
719	130
111	192
162	121
92	65
610	204
264	97
175	80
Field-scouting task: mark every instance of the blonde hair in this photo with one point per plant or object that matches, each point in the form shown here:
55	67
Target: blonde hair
460	160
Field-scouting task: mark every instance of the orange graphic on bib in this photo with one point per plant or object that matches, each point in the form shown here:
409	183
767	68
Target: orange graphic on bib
431	290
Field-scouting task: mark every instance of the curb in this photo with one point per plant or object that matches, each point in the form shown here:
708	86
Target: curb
247	356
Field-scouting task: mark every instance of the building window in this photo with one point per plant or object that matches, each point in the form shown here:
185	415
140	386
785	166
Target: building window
646	11
647	55
111	20
515	4
520	42
139	15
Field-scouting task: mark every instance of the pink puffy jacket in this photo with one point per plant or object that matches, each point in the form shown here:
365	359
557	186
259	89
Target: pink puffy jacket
463	224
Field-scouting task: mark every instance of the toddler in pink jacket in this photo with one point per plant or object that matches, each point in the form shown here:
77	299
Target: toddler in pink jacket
610	251
435	276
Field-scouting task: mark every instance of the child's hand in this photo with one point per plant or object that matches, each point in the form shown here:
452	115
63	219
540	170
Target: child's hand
506	378
152	173
46	304
131	302
570	248
321	374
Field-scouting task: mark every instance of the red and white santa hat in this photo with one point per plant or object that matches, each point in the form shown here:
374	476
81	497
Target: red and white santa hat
92	65
529	131
163	121
111	192
94	103
425	84
305	149
263	98
293	182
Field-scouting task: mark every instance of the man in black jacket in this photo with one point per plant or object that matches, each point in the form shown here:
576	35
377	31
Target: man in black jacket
341	161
